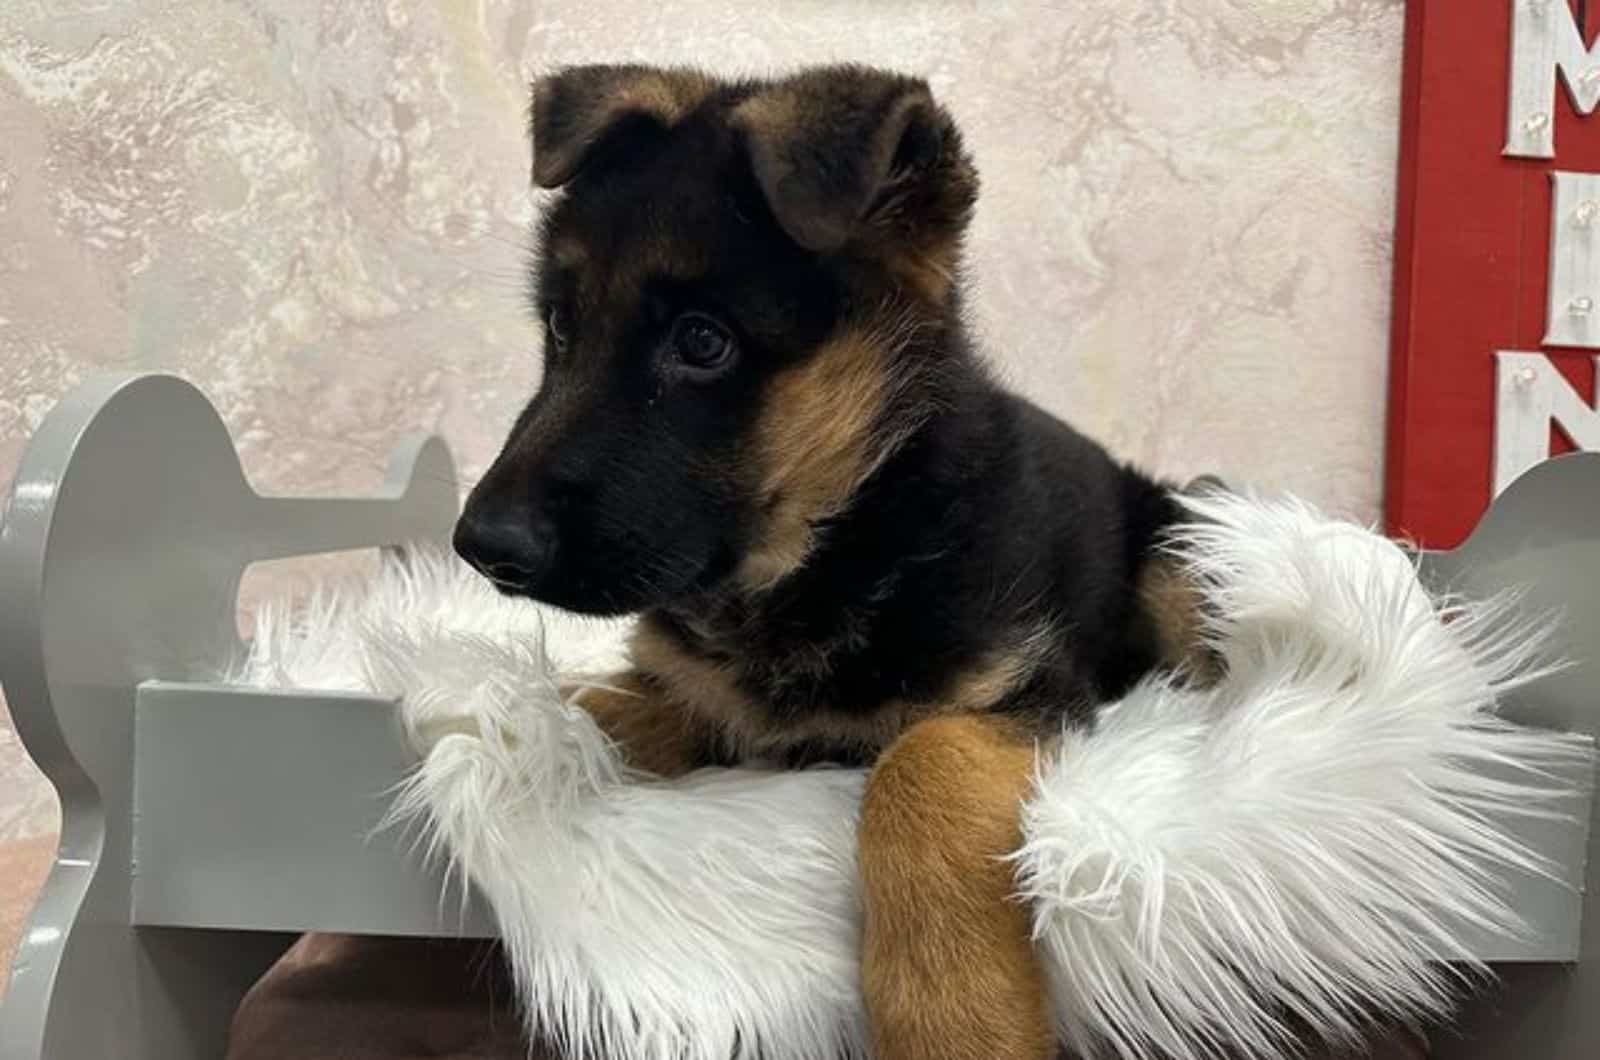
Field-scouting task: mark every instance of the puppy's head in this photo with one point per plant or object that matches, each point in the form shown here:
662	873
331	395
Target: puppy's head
740	286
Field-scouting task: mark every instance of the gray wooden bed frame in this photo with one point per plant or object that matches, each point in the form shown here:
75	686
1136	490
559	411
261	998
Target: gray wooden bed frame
205	826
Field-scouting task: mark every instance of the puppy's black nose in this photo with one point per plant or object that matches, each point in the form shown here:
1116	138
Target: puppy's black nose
510	547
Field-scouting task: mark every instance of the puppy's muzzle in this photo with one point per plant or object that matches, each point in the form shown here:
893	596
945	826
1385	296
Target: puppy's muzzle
513	546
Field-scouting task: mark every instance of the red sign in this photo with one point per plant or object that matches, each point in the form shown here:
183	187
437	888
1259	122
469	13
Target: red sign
1497	255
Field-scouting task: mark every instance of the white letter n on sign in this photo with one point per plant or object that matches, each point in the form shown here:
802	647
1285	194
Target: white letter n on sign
1544	39
1529	394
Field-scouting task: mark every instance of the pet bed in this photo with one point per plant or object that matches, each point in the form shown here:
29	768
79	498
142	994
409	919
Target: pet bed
207	821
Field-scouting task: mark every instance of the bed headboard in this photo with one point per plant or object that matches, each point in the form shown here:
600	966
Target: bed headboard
129	527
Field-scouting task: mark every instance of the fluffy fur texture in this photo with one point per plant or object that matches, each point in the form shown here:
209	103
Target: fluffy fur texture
711	917
1297	844
1300	844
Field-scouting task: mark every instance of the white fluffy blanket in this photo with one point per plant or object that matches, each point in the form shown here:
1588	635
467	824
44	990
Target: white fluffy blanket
1306	839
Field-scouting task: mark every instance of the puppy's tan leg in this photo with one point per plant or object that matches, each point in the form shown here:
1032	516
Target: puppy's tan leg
949	969
653	734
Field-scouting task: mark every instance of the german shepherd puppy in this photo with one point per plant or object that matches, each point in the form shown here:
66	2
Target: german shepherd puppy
763	427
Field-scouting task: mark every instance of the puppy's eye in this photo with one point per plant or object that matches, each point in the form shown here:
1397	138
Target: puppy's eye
701	343
556	323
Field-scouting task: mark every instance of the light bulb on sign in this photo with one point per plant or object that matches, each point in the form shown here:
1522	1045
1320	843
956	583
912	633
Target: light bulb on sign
1584	214
1536	121
1581	306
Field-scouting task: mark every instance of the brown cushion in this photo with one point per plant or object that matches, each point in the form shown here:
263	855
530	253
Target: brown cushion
335	997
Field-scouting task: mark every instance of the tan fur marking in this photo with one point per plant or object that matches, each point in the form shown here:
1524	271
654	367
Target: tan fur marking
1000	672
610	93
1173	603
711	691
928	273
773	113
815	445
653	734
926	258
948	965
668	94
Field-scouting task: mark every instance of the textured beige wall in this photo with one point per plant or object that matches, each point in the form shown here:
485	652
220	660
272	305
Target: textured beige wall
315	210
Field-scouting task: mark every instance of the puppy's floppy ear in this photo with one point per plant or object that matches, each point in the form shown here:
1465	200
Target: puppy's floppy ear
578	108
838	149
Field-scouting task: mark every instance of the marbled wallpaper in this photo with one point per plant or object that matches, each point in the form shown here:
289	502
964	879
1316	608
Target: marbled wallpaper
315	209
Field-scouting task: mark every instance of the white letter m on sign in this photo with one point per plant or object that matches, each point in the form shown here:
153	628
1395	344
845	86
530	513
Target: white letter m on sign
1544	39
